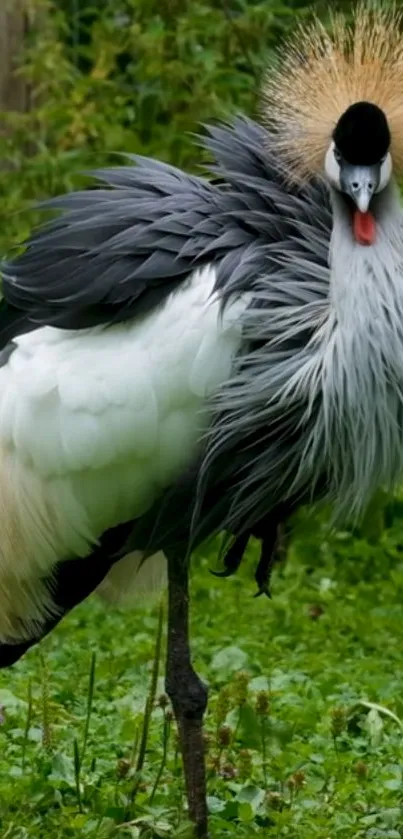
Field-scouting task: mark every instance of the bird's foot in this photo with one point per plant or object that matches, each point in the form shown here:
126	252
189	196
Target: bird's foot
263	589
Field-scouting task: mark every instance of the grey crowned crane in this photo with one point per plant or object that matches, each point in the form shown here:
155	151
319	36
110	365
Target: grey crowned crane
183	357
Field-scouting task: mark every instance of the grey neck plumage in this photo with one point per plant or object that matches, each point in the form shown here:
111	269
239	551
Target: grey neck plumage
360	359
316	405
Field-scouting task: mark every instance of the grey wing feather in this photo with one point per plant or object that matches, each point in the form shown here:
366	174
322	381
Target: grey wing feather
111	250
119	249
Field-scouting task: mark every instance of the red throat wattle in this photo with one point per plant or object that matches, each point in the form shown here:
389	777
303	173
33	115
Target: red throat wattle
364	228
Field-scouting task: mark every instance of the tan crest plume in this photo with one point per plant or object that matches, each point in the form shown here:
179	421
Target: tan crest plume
323	72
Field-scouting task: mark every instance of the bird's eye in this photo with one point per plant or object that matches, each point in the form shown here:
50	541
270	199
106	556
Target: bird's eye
337	155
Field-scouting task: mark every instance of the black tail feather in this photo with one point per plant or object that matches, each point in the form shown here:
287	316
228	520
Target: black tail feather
72	582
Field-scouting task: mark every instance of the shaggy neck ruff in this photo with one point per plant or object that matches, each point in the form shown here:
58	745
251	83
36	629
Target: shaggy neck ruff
361	357
315	406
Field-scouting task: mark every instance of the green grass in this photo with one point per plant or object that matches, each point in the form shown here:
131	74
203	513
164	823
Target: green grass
291	751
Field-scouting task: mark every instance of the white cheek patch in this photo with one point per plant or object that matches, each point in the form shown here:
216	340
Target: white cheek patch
386	173
332	167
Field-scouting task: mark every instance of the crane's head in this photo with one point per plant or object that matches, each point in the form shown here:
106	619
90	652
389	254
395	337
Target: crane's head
334	105
358	163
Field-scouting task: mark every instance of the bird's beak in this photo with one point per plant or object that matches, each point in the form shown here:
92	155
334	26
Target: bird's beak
360	183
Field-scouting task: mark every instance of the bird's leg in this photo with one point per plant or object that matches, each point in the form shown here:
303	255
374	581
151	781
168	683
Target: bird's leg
187	694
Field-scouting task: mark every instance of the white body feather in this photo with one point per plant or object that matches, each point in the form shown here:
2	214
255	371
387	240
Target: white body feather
93	426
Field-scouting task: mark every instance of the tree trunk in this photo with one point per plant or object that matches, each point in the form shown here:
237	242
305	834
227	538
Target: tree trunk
14	93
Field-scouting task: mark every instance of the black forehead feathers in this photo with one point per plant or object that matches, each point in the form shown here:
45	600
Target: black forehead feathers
362	134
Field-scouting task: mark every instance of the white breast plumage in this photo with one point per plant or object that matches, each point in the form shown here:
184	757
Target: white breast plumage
94	424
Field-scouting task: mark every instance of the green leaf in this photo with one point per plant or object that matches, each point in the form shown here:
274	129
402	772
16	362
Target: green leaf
392	816
374	725
215	805
245	812
259	683
254	796
228	660
373	706
62	769
10	701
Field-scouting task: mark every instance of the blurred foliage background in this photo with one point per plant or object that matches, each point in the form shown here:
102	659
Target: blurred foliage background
106	76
